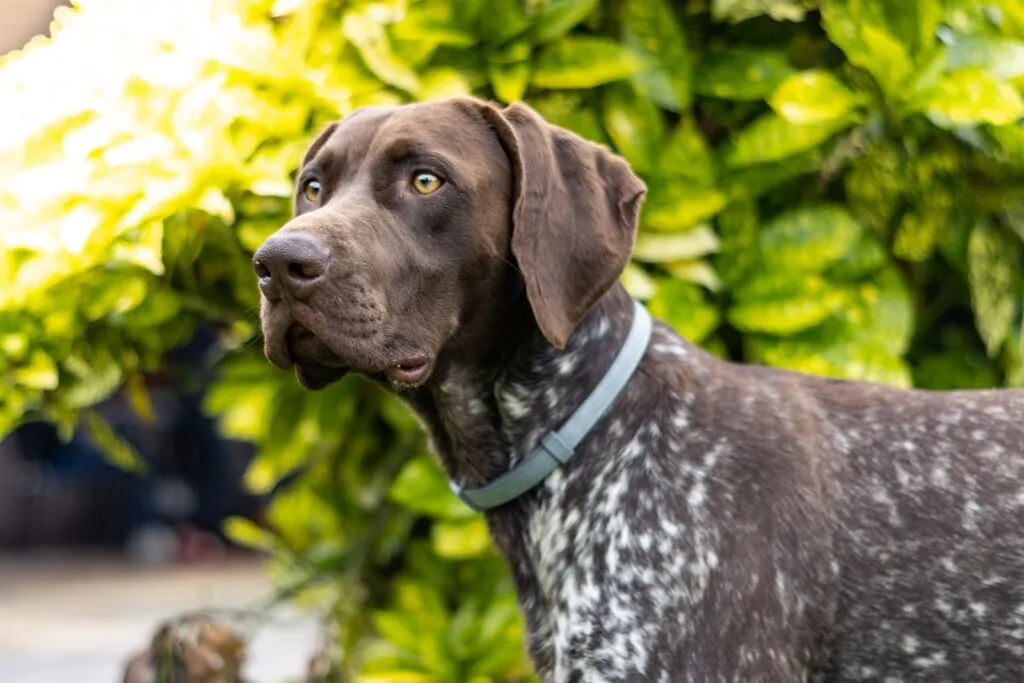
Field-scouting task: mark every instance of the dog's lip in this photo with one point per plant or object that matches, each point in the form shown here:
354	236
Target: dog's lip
410	372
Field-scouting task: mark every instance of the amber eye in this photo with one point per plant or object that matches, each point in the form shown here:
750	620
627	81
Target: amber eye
426	183
312	191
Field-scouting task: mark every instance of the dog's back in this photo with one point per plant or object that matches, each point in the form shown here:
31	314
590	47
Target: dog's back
930	531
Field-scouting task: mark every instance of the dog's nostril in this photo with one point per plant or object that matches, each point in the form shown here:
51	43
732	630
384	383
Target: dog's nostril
292	263
305	271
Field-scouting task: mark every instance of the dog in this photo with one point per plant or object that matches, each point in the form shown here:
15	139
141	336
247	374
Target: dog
719	521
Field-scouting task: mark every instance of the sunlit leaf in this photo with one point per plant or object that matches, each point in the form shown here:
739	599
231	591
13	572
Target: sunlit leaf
651	29
368	35
556	17
771	138
809	239
634	124
582	62
115	448
682	305
739	10
460	540
812	96
663	248
994	261
971	96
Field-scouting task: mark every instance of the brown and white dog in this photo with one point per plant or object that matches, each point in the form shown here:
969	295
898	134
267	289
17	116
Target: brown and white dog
721	522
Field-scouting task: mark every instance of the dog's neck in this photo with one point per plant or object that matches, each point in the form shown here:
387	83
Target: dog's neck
485	416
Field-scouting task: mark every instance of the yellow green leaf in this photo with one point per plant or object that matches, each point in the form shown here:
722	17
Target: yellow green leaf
247	533
812	96
460	540
117	450
634	124
972	96
680	246
653	32
370	38
582	62
638	283
40	372
509	81
771	138
556	17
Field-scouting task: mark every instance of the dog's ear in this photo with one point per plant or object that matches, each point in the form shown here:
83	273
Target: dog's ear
574	218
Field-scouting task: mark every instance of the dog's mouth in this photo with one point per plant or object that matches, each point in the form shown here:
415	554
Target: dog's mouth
317	365
409	373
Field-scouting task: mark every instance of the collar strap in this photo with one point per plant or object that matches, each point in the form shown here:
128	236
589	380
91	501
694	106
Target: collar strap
558	446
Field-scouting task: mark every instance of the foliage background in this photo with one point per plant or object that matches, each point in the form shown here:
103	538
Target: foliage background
836	187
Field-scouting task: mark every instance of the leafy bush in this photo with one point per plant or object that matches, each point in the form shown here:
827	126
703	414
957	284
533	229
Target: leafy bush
835	187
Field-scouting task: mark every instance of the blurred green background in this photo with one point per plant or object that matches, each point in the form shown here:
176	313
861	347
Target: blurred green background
836	187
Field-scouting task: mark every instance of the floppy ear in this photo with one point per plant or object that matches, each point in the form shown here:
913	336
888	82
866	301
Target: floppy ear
574	219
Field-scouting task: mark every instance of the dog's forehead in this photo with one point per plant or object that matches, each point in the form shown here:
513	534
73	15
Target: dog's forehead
442	126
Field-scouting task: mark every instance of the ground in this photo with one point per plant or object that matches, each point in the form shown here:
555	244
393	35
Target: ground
78	619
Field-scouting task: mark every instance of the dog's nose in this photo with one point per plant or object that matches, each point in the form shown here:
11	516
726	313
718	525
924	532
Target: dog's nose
291	262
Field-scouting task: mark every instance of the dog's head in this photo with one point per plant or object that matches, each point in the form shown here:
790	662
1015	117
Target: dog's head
416	226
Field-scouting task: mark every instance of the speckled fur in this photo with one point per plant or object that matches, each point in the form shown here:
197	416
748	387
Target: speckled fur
721	522
740	523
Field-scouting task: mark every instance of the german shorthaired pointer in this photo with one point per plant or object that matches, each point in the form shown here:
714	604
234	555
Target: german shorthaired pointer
720	522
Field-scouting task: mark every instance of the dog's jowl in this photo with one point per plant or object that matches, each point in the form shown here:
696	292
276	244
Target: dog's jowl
716	522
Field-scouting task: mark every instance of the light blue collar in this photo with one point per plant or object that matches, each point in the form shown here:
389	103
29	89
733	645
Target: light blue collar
558	446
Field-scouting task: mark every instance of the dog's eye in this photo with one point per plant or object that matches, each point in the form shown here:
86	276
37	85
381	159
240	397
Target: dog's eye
312	191
426	183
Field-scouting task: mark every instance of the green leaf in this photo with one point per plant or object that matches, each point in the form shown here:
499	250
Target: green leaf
833	351
663	248
741	73
771	138
685	155
40	372
117	450
862	260
371	40
786	316
698	272
994	262
634	124
247	533
461	540
501	21
812	96
971	96
738	226
442	83
652	31
638	283
682	305
556	17
736	11
861	29
422	488
566	109
751	182
509	81
677	205
1002	58
582	62
881	309
809	239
